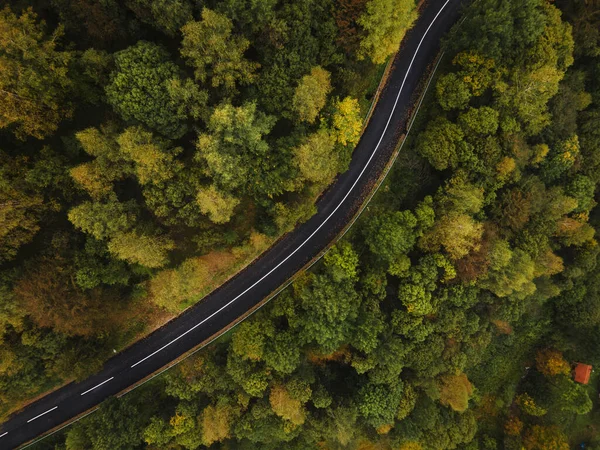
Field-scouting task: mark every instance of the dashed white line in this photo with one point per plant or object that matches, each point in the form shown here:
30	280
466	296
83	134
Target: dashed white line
97	386
3	434
42	414
328	217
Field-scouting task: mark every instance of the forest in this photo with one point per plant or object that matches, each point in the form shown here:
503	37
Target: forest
450	315
150	149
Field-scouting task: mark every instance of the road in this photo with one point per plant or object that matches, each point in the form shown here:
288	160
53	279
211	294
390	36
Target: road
242	293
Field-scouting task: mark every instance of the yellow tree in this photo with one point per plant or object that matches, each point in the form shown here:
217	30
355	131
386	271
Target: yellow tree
385	23
550	362
137	248
216	423
216	204
545	438
285	406
347	123
455	391
315	158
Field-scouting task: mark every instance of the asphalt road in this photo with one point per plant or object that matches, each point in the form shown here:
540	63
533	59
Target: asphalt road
236	297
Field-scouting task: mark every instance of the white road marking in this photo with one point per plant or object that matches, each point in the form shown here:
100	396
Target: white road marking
3	434
97	386
328	217
42	414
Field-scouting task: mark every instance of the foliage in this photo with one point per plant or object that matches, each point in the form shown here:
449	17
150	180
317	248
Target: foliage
447	317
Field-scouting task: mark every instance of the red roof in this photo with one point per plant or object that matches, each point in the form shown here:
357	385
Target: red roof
582	373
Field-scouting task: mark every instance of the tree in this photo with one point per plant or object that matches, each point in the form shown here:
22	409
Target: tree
96	23
452	91
391	235
415	298
568	396
540	437
171	288
20	211
316	158
250	337
50	298
458	234
342	262
103	220
109	164
385	23
166	15
482	120
235	146
217	421
138	88
330	309
442	143
346	13
116	426
510	272
218	205
153	163
216	53
529	406
285	406
35	87
378	403
311	94
582	188
347	121
550	362
455	391
137	248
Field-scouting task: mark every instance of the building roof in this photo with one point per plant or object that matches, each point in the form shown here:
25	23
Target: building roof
582	373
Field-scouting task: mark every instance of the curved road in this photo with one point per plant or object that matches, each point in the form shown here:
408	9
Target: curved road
245	291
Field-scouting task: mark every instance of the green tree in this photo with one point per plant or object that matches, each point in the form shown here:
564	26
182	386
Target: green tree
540	437
138	88
391	235
342	262
235	146
35	87
116	426
510	272
104	220
166	15
216	53
20	211
329	311
442	143
311	94
482	120
378	404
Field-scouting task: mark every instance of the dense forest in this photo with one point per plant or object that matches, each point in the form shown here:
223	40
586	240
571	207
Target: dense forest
451	314
149	149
